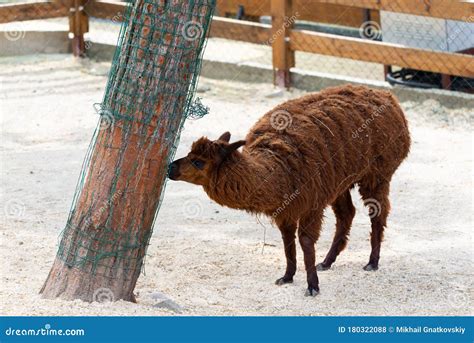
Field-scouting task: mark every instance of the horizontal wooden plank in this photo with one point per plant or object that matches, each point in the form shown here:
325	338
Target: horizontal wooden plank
385	53
346	12
30	11
341	12
221	27
333	14
241	30
252	7
303	10
106	9
448	9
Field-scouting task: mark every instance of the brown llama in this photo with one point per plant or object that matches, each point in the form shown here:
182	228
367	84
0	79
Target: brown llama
302	156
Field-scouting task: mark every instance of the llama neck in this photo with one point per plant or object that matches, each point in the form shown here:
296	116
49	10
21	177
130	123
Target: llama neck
241	183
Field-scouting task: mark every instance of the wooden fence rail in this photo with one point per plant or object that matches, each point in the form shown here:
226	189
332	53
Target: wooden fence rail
28	11
245	31
385	53
304	9
282	37
446	9
350	12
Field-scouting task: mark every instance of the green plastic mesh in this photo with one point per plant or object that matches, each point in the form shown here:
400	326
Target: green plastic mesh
150	93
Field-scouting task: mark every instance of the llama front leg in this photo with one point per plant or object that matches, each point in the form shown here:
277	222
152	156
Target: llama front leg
288	230
308	233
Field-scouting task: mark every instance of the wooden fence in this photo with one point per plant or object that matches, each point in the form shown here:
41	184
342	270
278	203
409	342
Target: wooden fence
281	35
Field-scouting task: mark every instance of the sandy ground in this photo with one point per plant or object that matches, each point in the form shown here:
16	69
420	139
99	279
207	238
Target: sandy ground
211	260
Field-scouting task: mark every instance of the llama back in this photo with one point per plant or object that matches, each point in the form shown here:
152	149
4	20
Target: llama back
335	137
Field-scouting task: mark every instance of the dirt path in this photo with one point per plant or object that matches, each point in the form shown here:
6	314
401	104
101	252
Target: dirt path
208	259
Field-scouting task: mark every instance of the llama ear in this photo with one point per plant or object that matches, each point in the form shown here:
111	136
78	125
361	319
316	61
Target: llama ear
225	137
226	150
234	146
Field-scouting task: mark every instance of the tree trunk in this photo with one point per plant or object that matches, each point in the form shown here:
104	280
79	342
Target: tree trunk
149	90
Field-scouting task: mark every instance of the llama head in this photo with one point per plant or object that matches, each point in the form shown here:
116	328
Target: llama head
203	159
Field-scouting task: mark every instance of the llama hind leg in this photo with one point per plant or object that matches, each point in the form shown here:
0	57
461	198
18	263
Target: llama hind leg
288	230
308	234
344	211
376	199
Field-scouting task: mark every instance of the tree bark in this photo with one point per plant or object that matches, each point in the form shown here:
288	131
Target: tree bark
108	230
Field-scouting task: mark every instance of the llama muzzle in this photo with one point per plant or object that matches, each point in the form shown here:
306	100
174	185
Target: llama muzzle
173	171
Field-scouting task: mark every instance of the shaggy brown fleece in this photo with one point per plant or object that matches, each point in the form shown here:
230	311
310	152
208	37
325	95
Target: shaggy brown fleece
302	156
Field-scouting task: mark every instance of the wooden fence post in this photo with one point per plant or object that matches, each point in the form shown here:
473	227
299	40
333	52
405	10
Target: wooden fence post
283	56
78	26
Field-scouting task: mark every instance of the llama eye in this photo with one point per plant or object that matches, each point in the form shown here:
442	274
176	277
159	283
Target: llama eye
198	164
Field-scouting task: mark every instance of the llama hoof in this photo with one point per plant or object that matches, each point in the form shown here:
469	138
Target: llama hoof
311	292
322	267
283	280
371	267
